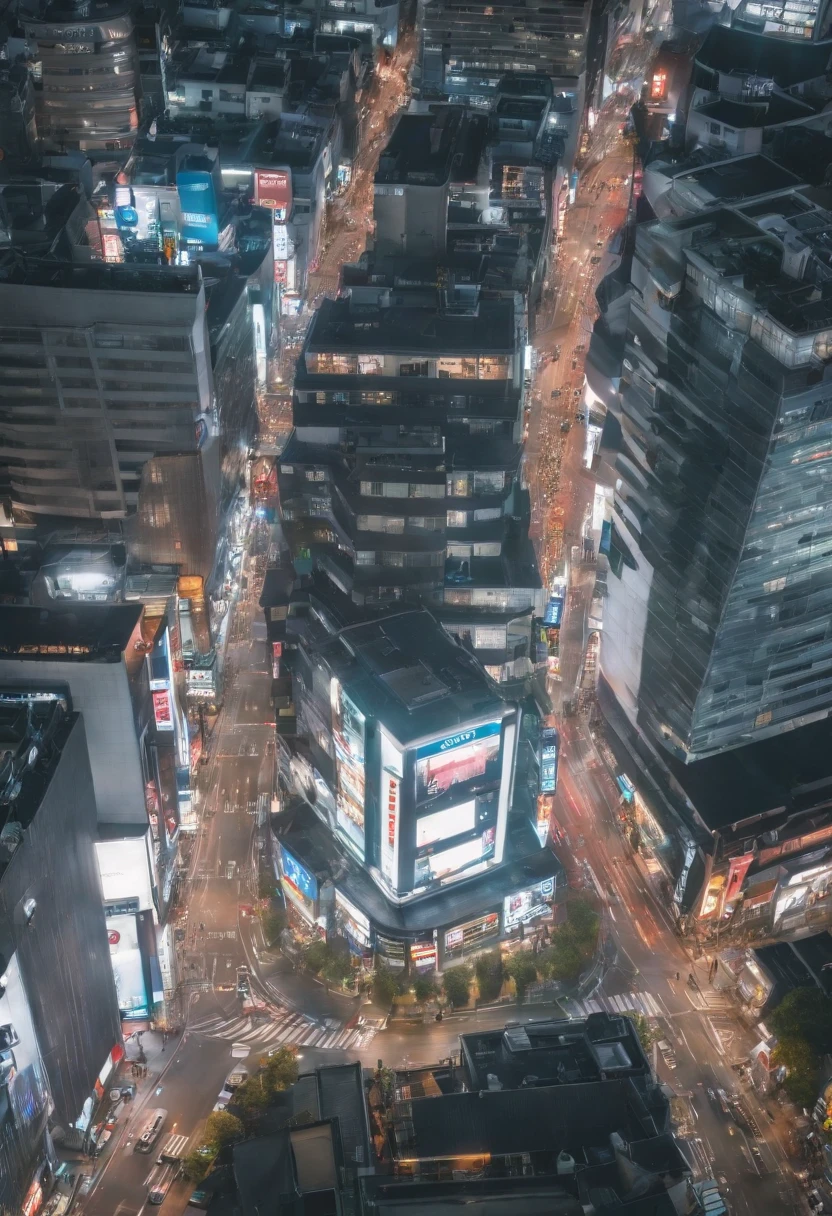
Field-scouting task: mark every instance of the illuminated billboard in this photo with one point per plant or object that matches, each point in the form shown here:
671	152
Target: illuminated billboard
470	935
199	228
548	761
128	970
529	904
457	759
554	612
351	923
273	188
391	787
299	886
162	709
423	955
391	951
442	825
348	736
456	861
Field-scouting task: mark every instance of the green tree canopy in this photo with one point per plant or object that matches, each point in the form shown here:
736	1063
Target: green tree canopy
522	969
804	1013
222	1128
280	1070
457	983
490	974
424	989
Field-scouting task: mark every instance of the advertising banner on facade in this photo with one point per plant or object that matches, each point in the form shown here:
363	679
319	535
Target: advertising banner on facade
199	223
423	955
162	709
273	188
548	760
472	933
391	951
442	825
299	886
348	737
528	905
128	969
457	759
351	923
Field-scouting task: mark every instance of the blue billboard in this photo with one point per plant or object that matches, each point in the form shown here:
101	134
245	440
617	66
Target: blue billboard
553	615
198	205
299	885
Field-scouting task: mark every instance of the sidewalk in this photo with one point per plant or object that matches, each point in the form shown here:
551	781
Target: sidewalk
116	1119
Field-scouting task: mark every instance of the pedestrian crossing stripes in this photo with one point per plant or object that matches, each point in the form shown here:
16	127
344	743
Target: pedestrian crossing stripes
287	1030
627	1002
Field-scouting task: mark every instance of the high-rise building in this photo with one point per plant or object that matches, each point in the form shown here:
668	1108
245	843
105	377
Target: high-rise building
60	1035
466	49
87	96
109	414
114	665
402	479
716	627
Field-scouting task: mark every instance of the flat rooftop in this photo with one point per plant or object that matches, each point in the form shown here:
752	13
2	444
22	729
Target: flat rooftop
744	177
429	149
739	52
575	1119
99	277
554	1051
83	632
343	326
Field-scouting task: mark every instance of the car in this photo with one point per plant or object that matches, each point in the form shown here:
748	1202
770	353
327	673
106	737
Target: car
200	1199
668	1054
158	1192
235	1078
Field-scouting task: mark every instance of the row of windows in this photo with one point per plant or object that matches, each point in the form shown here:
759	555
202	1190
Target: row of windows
100	339
457	485
371	557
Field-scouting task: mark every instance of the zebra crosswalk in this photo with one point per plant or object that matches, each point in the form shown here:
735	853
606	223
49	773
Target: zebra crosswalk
286	1029
626	1002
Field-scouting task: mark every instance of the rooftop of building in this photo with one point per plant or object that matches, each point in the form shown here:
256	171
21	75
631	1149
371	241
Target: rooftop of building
753	254
269	74
525	85
32	736
739	52
83	632
293	141
741	177
554	1052
401	327
61	12
766	111
403	1196
431	149
17	271
573	1118
221	67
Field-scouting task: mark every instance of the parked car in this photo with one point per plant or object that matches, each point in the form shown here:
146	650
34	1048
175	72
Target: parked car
668	1054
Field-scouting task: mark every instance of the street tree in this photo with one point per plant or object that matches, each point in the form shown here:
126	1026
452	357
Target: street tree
490	974
521	967
222	1128
281	1070
457	984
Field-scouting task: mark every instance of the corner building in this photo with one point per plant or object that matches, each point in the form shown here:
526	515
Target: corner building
421	843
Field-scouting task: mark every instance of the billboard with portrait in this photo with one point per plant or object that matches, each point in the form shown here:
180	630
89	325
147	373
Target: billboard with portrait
299	886
458	759
348	735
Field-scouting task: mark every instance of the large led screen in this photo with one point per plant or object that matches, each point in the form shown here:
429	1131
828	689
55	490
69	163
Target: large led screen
442	825
351	922
125	955
458	759
299	886
348	736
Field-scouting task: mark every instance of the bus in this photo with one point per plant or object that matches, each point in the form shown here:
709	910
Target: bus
152	1126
